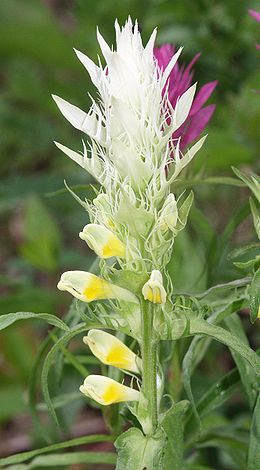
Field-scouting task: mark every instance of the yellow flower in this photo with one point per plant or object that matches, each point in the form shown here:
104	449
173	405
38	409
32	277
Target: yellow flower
107	391
88	287
153	289
111	351
102	241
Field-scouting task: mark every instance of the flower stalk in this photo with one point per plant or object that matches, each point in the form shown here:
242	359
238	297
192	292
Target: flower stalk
135	153
149	362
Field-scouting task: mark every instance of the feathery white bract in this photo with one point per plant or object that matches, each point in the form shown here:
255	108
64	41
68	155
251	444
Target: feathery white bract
132	123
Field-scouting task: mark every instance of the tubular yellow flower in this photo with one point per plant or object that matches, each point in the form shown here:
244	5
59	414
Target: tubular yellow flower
153	289
102	241
107	391
111	351
88	287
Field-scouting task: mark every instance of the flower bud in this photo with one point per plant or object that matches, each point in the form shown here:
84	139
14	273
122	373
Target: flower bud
111	351
107	391
88	287
101	202
169	214
102	241
153	289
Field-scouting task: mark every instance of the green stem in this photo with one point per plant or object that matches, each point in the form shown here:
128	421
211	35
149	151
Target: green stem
149	361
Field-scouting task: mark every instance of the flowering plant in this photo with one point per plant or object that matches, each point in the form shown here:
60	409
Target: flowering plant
140	129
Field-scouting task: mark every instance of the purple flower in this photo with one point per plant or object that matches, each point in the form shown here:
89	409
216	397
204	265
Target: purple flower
179	81
256	15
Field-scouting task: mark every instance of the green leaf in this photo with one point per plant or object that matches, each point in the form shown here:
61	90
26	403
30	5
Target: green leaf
191	358
254	447
247	374
12	401
139	452
41	246
49	361
33	390
69	458
230	441
218	393
202	327
254	296
172	424
225	287
256	216
60	400
246	256
24	456
252	182
183	212
173	329
129	280
10	318
251	250
196	467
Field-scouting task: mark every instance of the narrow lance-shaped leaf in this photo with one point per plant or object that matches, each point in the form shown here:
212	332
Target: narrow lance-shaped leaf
247	374
254	296
24	456
49	360
254	447
200	326
10	318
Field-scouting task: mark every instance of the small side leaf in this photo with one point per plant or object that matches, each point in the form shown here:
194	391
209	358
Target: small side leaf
254	296
10	318
254	447
200	326
183	212
173	427
139	452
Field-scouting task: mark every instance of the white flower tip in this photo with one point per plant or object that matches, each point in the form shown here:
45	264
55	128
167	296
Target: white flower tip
82	389
56	98
86	340
80	55
61	285
81	235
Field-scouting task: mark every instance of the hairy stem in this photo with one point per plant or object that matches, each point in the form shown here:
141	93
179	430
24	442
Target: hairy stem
149	360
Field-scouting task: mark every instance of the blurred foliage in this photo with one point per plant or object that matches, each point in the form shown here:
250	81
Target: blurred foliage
39	224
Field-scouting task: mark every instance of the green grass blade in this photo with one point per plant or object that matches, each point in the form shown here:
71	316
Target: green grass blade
24	456
69	458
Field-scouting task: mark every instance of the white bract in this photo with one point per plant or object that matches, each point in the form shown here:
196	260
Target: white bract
131	125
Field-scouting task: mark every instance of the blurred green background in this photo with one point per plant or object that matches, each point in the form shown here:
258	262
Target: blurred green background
40	220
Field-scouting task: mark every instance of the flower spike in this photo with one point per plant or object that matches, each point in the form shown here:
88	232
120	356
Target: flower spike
107	391
88	287
102	241
153	289
111	351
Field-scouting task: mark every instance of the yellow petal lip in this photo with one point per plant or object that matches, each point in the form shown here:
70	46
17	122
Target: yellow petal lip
111	351
107	391
88	287
102	241
153	289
